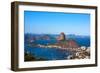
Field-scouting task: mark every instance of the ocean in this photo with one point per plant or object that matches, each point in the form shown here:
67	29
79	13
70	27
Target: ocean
53	53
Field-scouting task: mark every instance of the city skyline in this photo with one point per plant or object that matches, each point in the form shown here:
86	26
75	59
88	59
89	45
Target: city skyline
56	22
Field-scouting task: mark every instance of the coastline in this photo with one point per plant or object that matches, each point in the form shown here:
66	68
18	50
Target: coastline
77	53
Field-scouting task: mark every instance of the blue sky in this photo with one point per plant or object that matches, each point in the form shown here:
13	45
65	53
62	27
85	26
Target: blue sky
56	22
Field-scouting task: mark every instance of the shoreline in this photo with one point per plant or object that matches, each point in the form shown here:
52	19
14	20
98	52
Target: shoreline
77	53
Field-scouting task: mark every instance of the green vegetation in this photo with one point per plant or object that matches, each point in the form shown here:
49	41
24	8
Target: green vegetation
30	57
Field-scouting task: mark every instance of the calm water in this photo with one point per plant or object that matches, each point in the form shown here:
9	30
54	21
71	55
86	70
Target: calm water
80	41
45	42
48	53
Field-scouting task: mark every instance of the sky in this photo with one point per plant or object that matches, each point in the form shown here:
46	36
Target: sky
56	22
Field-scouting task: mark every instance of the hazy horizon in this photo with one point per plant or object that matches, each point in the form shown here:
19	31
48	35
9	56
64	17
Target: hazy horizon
55	34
